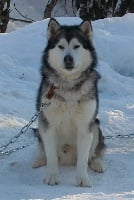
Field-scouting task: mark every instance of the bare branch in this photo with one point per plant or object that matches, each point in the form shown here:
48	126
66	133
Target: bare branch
21	20
30	20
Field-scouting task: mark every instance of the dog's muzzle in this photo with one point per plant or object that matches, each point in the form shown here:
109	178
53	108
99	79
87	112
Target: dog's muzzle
68	62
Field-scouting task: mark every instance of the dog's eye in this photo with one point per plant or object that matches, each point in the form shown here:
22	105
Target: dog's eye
61	47
76	46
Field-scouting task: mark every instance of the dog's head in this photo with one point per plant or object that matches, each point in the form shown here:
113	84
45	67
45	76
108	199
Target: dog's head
70	49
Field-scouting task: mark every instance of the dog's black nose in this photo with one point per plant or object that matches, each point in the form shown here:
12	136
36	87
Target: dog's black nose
68	61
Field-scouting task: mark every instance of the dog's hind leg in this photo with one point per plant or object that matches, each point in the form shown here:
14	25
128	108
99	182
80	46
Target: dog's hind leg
39	161
98	148
97	165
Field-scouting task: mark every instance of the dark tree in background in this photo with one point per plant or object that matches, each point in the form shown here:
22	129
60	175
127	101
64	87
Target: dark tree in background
84	9
99	9
4	15
126	6
87	9
96	9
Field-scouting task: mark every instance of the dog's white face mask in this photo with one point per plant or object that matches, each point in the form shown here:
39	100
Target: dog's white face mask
69	58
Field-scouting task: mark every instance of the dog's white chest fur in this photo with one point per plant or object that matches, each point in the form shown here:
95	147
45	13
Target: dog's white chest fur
68	117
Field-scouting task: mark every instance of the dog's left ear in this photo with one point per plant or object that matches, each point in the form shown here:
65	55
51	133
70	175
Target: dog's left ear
86	28
53	28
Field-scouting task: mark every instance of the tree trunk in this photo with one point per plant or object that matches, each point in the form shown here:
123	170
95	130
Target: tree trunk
131	6
49	7
84	11
4	15
124	7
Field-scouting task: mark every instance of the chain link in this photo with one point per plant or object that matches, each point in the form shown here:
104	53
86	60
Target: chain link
24	129
9	151
13	139
120	136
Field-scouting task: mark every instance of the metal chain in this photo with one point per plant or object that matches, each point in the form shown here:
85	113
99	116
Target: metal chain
24	129
3	148
9	151
13	139
120	136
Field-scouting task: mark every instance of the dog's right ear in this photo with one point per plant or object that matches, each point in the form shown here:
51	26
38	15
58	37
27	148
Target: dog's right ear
86	28
53	28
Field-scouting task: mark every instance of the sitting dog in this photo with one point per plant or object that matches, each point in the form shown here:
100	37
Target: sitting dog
67	102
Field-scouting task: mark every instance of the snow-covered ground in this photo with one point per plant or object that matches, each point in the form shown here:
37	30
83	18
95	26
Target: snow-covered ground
20	55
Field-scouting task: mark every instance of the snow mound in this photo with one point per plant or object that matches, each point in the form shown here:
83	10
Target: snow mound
19	80
115	43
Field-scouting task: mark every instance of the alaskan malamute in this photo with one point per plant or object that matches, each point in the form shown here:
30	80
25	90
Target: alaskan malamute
68	103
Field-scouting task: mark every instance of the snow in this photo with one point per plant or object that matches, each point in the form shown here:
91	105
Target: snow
20	52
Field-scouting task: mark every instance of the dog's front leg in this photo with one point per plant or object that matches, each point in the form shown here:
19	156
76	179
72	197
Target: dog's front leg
49	139
84	141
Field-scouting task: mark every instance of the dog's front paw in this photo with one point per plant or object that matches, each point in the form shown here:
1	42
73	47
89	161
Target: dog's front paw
83	181
52	179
